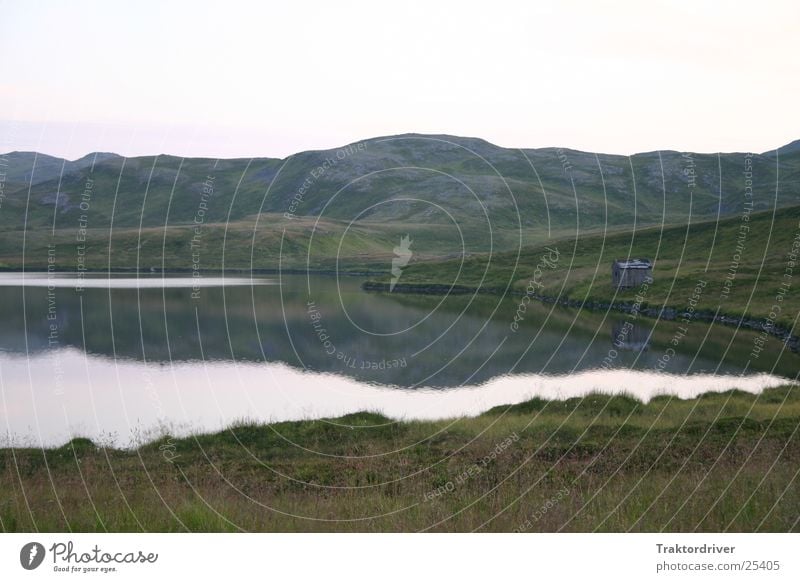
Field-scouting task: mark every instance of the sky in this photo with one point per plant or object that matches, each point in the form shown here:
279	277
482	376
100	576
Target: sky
237	79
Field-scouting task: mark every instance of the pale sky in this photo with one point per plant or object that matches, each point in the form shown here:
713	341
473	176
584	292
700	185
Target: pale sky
226	79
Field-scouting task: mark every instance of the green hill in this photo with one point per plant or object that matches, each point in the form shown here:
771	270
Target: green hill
438	188
743	262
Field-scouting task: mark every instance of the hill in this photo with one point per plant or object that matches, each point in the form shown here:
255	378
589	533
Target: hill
747	262
452	187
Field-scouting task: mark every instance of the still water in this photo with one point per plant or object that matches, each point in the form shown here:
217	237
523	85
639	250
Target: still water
122	359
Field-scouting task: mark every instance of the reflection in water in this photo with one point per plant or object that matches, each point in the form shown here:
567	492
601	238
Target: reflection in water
110	358
125	401
633	337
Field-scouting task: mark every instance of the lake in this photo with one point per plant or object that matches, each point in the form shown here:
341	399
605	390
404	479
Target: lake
123	359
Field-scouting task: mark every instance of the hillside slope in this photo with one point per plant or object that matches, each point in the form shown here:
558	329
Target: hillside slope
494	198
745	263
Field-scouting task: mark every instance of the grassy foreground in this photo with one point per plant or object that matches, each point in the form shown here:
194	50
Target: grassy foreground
725	461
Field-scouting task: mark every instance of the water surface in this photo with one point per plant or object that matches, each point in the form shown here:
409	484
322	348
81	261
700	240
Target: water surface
121	358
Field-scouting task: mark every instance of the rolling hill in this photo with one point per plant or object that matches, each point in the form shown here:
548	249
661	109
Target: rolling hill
455	195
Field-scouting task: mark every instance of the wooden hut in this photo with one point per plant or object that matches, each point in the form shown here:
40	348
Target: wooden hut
629	273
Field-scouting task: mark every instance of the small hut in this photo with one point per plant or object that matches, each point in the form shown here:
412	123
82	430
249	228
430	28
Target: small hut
631	273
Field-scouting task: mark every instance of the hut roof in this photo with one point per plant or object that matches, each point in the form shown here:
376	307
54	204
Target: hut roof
634	264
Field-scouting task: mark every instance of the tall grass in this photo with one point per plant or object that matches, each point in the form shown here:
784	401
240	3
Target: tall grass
719	462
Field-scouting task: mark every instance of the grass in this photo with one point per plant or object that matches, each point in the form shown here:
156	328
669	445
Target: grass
682	255
720	462
270	242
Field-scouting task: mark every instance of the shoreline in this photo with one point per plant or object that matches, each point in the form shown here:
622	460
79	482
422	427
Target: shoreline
666	312
537	404
364	472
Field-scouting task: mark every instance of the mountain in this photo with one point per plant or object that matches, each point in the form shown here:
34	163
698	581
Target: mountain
789	148
477	195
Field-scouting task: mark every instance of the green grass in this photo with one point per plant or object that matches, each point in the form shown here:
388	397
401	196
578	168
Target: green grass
271	242
683	255
722	461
